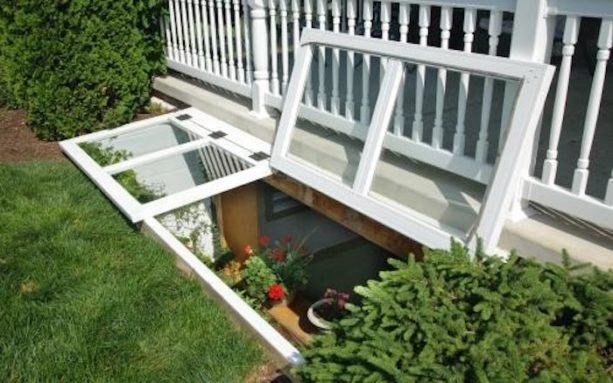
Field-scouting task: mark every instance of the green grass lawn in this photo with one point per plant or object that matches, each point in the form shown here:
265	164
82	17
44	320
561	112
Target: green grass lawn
84	296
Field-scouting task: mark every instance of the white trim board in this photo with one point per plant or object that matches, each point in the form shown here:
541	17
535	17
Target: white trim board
200	126
534	80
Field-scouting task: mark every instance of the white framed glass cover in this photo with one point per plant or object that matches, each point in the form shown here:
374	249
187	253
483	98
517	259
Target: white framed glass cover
156	165
527	83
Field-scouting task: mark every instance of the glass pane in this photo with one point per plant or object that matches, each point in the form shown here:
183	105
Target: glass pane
333	151
135	143
179	172
194	225
441	148
446	198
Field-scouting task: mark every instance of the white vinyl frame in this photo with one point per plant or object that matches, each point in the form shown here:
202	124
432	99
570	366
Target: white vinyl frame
533	83
200	125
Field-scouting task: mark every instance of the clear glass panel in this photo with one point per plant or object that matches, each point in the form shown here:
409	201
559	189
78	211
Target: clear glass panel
194	225
135	143
440	148
179	172
335	147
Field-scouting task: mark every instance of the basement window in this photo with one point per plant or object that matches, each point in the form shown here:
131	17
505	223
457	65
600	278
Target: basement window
150	167
355	160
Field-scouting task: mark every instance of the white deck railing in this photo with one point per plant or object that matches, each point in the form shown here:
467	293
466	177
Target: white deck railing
450	120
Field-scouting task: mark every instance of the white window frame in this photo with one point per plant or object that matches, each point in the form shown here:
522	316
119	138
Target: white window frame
533	84
200	125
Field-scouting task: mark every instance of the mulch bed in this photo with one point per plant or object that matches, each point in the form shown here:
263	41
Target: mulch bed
18	143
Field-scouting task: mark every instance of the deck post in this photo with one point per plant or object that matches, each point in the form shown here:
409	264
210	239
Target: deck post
533	32
259	39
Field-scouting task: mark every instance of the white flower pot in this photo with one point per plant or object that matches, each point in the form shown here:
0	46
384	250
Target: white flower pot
315	319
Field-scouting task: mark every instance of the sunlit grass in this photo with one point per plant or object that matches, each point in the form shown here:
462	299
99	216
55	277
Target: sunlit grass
84	296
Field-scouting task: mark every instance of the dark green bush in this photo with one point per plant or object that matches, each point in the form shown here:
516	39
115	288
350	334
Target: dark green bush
455	318
82	65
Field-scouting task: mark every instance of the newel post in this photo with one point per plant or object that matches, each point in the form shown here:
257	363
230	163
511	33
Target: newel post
259	39
533	32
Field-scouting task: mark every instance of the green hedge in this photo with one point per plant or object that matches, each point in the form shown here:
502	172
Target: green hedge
452	318
79	66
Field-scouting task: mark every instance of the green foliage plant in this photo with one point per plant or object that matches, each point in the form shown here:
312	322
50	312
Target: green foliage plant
79	66
257	277
288	260
459	317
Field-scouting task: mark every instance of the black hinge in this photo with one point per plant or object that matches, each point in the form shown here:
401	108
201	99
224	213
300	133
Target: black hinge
184	117
259	156
217	134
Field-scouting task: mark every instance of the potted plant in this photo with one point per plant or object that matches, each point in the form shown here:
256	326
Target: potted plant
287	261
330	308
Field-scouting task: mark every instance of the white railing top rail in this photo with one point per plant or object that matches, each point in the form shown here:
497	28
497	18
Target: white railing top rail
583	8
500	5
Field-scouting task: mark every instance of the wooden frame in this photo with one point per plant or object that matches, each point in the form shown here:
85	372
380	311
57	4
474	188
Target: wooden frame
200	125
533	83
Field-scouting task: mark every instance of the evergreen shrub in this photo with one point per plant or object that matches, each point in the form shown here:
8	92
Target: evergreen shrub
79	66
453	317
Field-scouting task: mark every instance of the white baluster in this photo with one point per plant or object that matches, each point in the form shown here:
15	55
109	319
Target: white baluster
201	62
404	17
336	28
168	36
163	36
349	105
295	26
247	39
365	106
216	64
185	23
469	30
608	198
308	23
386	16
571	33
284	44
420	80
441	82
494	30
192	33
173	31
274	70
605	40
260	85
228	23
222	39
180	28
322	12
208	63
238	38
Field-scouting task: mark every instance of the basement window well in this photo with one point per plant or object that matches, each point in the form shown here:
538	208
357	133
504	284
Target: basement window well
162	173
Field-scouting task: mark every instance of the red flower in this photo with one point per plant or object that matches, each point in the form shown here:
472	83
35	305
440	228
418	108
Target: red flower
286	239
275	292
278	254
264	240
248	250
